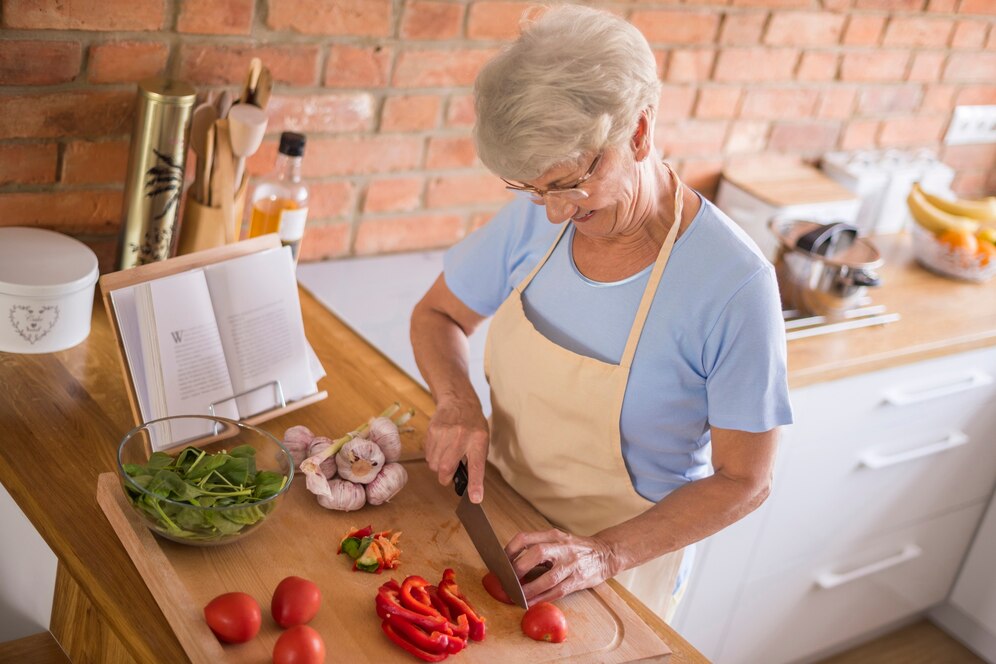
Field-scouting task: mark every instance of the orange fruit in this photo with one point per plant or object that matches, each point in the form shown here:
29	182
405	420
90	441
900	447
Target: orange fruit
986	253
959	241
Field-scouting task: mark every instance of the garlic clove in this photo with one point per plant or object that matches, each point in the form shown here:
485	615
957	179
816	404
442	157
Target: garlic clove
328	466
343	496
359	461
296	440
385	434
387	484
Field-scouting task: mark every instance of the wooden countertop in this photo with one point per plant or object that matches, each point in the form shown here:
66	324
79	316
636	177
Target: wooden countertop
939	316
61	418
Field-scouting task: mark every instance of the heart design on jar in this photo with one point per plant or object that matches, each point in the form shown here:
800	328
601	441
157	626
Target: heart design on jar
33	323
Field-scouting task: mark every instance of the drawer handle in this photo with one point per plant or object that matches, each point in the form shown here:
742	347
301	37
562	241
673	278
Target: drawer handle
874	460
975	378
832	580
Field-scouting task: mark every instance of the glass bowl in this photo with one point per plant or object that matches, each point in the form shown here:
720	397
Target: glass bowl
203	480
950	262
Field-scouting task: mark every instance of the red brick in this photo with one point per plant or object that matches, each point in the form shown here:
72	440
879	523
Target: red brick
776	4
969	34
804	29
497	20
676	102
742	29
941	6
751	65
890	5
702	175
67	113
926	66
103	162
364	18
707	3
837	103
330	199
357	66
227	63
325	241
971	68
691	137
470	189
84	14
803	137
874	66
860	135
690	64
977	7
369	154
747	137
836	5
885	99
817	66
426	231
263	161
65	211
991	41
216	17
410	113
912	131
393	195
460	112
863	30
28	163
426	19
676	27
718	103
451	68
977	95
938	98
126	61
978	157
328	112
917	31
478	219
451	152
778	103
32	62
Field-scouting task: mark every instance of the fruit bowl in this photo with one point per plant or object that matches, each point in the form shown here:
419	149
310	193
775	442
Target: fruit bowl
951	261
203	480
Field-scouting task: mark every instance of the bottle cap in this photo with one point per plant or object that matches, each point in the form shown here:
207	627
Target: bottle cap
292	144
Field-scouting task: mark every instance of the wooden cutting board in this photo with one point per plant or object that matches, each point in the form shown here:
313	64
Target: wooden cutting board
300	538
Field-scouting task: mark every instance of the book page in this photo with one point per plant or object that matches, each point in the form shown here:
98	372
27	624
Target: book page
125	310
259	317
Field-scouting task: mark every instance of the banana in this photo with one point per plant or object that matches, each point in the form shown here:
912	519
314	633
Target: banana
935	220
983	210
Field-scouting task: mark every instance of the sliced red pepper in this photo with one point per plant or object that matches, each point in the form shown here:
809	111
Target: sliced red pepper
450	593
414	596
459	627
388	602
389	628
434	642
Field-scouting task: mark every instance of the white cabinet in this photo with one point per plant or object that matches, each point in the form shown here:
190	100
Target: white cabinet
878	490
27	574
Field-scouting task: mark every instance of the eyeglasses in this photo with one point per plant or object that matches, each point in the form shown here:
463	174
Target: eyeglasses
572	193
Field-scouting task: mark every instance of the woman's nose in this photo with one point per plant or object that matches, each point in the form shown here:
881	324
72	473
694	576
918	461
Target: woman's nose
558	209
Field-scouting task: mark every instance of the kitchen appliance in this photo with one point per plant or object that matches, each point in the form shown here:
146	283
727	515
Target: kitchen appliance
46	290
823	269
475	521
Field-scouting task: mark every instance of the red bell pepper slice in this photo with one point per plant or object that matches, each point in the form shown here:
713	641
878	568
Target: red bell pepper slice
388	602
415	597
389	628
433	642
450	593
459	627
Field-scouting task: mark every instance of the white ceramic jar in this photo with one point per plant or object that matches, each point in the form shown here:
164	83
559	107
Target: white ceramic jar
46	290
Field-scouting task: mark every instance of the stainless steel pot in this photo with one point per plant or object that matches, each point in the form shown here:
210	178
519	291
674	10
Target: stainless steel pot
823	269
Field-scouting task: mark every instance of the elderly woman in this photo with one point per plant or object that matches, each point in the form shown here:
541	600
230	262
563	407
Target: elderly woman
636	354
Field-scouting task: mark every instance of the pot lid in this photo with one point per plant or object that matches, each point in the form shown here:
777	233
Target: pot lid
818	242
42	263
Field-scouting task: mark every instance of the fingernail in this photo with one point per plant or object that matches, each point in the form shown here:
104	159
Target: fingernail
475	496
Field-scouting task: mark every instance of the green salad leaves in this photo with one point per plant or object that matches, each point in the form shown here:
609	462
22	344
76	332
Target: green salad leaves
226	479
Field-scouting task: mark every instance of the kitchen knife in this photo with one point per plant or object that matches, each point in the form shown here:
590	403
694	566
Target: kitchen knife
475	521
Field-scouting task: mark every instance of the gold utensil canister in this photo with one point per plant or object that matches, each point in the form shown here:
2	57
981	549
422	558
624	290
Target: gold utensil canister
154	180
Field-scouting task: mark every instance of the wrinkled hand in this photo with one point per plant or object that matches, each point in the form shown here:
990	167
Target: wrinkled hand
574	562
458	430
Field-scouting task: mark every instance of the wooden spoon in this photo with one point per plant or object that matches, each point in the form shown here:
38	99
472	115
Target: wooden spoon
261	94
247	124
203	118
224	104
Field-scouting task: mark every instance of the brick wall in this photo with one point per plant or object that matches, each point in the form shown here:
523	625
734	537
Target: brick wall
382	88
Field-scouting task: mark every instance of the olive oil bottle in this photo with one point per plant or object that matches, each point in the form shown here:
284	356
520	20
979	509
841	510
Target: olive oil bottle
280	201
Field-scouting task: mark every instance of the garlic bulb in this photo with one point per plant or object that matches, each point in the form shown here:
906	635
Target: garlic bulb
385	434
296	440
387	484
344	496
359	461
328	466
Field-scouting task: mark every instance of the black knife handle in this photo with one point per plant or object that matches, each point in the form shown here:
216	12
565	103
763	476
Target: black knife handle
460	479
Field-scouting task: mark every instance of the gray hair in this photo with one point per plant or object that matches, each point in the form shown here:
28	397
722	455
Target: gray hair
575	81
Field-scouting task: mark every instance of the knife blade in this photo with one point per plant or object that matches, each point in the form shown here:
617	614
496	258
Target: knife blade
475	521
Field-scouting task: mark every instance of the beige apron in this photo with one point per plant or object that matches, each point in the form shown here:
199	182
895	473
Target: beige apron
555	426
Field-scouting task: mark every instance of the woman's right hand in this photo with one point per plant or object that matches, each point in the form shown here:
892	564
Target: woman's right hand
457	430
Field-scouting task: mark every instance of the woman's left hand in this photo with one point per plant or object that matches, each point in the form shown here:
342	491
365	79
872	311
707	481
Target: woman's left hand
574	562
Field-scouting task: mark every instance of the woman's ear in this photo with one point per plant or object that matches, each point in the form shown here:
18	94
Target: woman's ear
643	137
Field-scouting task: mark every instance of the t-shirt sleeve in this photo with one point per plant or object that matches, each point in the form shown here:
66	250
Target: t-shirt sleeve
745	360
483	268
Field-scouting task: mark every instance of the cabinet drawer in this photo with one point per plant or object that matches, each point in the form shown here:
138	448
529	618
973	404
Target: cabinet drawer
811	607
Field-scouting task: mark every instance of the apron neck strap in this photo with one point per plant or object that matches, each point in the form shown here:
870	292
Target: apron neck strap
525	282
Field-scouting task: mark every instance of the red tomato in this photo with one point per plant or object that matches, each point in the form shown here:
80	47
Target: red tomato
493	585
299	645
295	601
544	622
233	617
